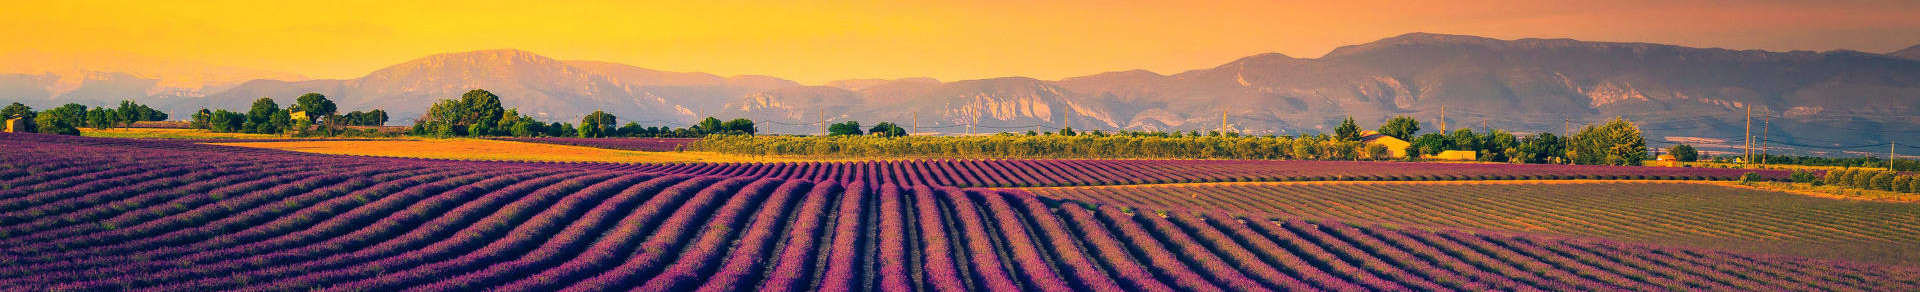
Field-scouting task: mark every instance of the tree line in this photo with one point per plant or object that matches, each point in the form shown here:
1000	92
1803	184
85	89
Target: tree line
68	119
1616	142
1867	179
479	113
309	114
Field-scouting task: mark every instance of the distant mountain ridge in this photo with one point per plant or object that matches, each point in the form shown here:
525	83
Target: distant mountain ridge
1817	100
1910	53
44	78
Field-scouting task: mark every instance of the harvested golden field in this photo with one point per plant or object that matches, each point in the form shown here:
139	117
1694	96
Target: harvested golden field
494	150
151	133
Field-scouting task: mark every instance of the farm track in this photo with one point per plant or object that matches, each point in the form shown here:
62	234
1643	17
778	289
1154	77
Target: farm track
274	221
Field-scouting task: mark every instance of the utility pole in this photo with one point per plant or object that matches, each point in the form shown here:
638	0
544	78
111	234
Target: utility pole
1566	127
1765	130
916	123
1443	120
975	122
1747	155
1066	120
1223	121
823	125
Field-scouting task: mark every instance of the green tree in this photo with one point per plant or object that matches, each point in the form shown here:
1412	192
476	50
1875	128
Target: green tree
1883	181
739	127
130	112
443	118
1376	151
1498	146
224	121
887	129
1684	153
844	129
525	128
318	110
23	112
52	123
1402	127
598	124
281	121
710	125
1902	184
260	116
1541	148
102	118
1802	176
201	119
376	117
1464	140
74	114
315	105
1347	131
1429	144
483	112
1618	142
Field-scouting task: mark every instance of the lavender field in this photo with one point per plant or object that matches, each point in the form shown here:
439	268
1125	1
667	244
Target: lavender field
90	214
634	144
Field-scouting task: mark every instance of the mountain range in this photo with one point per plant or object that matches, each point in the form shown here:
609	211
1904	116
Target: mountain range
1804	102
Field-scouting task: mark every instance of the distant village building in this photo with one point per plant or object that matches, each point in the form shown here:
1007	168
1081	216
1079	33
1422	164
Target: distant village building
16	125
1396	148
1458	155
1667	160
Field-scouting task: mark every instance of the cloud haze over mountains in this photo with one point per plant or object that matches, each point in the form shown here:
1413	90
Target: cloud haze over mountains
1817	100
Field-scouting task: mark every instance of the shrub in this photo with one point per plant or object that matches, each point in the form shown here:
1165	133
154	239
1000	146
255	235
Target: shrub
1903	184
1836	177
1914	187
1883	181
1801	176
1863	179
1749	177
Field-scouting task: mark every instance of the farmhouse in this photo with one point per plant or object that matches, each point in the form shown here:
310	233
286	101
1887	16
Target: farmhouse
1396	148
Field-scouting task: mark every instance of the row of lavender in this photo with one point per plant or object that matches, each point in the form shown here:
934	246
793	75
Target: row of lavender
1046	173
635	144
98	216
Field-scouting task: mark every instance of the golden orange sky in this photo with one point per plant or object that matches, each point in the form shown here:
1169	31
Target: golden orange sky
817	41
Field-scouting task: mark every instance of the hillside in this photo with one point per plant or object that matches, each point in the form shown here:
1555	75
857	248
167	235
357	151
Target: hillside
1813	101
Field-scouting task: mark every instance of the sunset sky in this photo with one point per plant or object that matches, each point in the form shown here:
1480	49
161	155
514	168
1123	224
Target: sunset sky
817	41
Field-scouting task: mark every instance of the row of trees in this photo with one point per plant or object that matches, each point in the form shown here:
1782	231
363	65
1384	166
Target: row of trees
1862	161
67	119
1617	142
1086	145
1870	179
478	113
266	117
852	128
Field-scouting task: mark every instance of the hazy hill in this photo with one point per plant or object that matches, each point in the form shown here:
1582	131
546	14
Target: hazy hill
537	85
1820	99
1912	53
43	79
